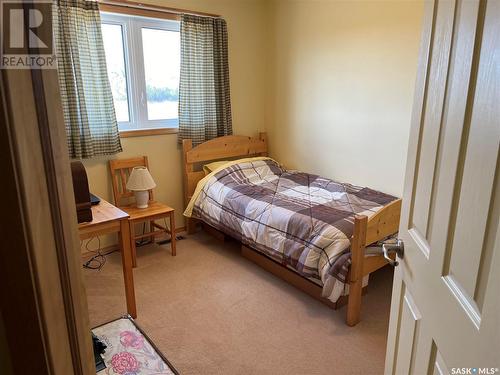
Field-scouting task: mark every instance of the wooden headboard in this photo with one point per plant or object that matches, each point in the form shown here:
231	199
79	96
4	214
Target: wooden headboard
230	146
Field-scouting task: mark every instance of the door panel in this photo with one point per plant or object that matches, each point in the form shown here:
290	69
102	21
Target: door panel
440	367
445	306
432	115
408	336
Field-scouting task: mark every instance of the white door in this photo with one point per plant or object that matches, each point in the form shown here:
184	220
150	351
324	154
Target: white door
445	314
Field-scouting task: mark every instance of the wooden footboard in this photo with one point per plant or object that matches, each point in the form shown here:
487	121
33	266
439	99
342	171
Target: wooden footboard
368	231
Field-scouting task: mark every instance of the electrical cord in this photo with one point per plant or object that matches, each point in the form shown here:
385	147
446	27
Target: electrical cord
97	261
143	240
168	240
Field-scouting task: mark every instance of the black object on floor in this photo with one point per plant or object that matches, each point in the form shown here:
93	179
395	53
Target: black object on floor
177	238
99	349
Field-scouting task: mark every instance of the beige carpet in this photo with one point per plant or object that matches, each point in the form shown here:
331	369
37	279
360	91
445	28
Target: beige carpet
210	311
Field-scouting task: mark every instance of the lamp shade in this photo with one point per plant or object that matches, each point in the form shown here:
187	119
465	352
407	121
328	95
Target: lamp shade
140	179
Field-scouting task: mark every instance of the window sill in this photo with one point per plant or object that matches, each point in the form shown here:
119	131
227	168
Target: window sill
147	132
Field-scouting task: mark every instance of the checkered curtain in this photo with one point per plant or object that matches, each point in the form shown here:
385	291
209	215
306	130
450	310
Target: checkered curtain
87	101
204	100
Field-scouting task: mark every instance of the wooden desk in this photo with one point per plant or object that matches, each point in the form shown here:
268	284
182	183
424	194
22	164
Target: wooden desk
110	219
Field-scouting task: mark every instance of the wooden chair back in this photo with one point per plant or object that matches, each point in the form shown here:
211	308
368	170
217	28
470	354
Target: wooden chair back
120	171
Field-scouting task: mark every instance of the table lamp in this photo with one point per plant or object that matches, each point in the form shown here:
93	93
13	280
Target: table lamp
140	182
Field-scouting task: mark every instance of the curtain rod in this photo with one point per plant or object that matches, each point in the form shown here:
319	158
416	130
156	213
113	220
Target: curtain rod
156	8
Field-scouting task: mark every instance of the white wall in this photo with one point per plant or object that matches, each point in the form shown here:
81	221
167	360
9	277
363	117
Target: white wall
341	88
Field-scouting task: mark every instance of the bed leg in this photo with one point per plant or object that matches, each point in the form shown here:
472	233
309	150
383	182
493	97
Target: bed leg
191	226
354	303
358	244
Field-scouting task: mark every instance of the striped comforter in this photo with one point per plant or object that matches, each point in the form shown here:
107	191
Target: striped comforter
300	220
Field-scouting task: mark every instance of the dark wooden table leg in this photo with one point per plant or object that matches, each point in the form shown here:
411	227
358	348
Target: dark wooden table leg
128	274
172	232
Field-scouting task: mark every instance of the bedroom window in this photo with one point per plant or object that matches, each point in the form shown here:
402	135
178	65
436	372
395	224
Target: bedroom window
143	62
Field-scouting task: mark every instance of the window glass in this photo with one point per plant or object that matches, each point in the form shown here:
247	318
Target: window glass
161	50
143	61
115	60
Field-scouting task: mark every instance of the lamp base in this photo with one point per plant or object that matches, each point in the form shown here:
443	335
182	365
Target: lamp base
141	198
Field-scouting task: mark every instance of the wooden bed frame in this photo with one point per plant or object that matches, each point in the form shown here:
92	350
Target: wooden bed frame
383	223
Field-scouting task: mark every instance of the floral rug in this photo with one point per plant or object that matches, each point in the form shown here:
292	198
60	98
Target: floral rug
129	352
